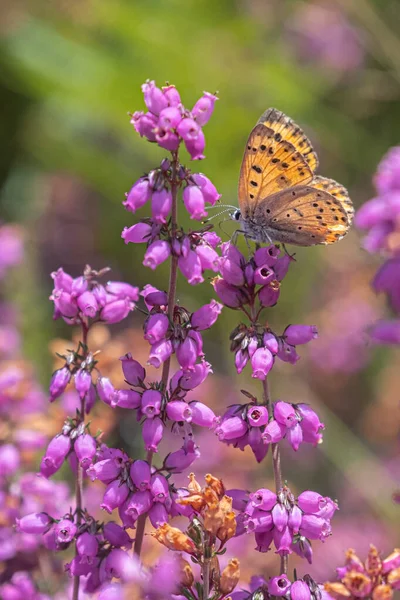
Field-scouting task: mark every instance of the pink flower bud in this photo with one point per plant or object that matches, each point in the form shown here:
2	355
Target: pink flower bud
105	390
257	443
100	294
192	379
157	253
172	95
105	470
65	531
295	517
83	380
303	548
116	535
152	432
158	514
79	286
170	118
178	410
156	327
35	523
151	403
279	516
138	196
257	416
273	432
232	271
64	303
263	499
263	275
126	399
279	586
241	360
154	98
140	474
270	342
231	428
311	502
287	353
300	591
259	521
264	540
114	496
229	295
206	316
208	257
62	281
123	290
203	108
195	147
87	546
283	541
285	414
300	334
194	202
122	566
161	204
85	448
207	187
294	436
281	266
139	503
261	362
159	488
116	311
269	294
160	352
133	371
181	459
137	234
56	452
188	129
202	414
145	124
190	267
59	382
314	528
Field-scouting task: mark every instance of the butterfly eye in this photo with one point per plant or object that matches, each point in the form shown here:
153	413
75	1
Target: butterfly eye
236	215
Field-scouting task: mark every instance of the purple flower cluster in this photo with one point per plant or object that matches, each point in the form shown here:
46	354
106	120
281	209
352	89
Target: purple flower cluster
289	523
79	299
250	424
278	587
74	443
252	285
135	488
21	587
380	217
168	122
100	547
157	406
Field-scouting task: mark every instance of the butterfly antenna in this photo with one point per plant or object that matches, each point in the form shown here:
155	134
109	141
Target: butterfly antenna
218	215
222	206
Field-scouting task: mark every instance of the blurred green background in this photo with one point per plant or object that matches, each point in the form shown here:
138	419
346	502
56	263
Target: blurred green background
72	70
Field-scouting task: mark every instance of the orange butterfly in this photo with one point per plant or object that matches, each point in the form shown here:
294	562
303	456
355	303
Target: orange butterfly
280	197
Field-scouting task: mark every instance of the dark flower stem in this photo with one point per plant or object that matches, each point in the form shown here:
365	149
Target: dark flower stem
173	275
276	463
79	472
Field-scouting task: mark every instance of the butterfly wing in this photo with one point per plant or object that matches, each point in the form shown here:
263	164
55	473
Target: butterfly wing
288	130
270	165
336	190
306	215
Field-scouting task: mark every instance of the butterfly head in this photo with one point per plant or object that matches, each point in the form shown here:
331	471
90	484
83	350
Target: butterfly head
236	215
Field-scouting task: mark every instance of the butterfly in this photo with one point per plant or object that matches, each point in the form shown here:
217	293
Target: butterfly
280	197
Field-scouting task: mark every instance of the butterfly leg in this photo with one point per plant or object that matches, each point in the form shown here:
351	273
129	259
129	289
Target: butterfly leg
286	251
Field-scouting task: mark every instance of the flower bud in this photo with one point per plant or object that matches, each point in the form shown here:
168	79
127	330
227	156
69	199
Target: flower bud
116	311
105	390
140	474
35	523
85	448
137	234
158	514
152	432
300	334
133	371
196	146
114	496
172	95
207	187
156	327
126	399
160	352
190	267
122	566
138	196
285	414
202	414
194	202
83	380
206	316
279	586
157	253
257	416
154	98
145	124
105	470
123	290
59	382
178	410
116	535
87	303
174	539
159	488
230	577
231	428
87	546
65	531
263	499
161	204
188	129
262	362
229	295
151	403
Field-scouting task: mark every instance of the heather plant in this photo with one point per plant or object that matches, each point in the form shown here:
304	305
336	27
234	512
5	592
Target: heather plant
104	556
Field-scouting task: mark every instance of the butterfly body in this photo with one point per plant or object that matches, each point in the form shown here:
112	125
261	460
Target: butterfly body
280	197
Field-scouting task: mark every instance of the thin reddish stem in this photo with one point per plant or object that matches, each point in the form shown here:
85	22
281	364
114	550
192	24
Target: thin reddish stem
173	276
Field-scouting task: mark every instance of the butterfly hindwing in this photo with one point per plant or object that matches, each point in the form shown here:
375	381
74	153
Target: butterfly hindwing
304	215
336	190
270	164
287	129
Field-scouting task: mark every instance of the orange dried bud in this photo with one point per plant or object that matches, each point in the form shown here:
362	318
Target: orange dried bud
174	539
186	573
213	519
196	501
357	583
210	497
225	504
382	592
228	528
373	564
215	484
337	590
394	576
230	576
194	485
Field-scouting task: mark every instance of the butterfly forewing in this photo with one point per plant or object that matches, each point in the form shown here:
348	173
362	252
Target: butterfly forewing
270	164
287	129
305	216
